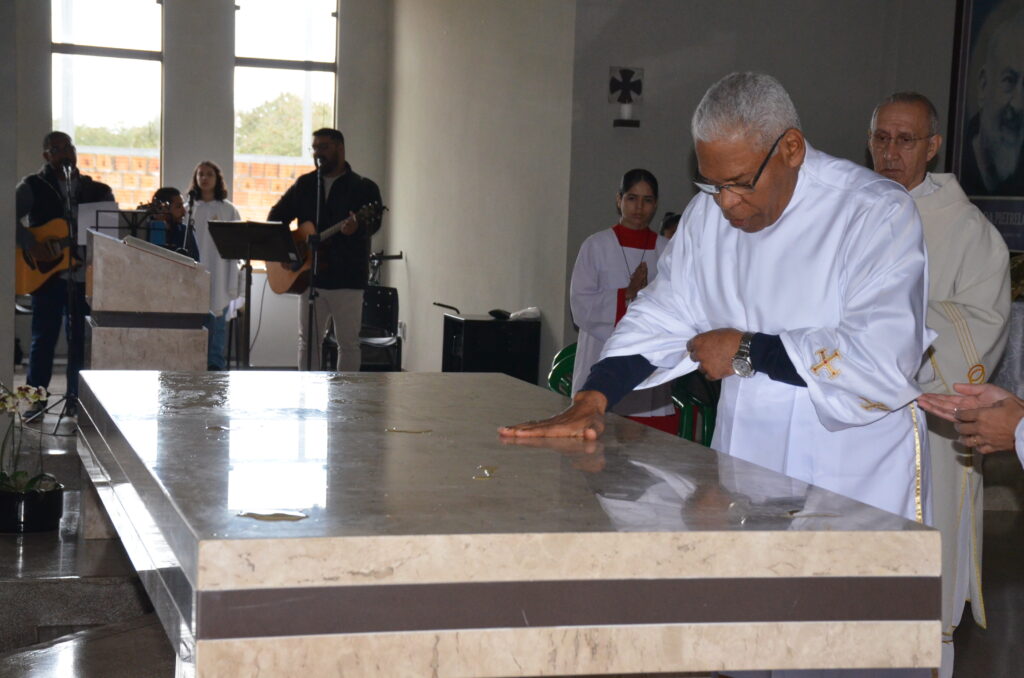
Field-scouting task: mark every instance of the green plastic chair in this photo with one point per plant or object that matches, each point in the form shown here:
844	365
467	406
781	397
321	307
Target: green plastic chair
564	353
697	400
560	376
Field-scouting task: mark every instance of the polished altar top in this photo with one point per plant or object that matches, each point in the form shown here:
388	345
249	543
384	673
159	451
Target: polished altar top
417	457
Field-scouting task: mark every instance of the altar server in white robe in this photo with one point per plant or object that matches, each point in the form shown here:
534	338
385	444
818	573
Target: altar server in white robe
208	199
800	280
969	306
613	265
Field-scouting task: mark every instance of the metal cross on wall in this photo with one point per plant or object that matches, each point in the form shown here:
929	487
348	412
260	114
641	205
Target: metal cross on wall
626	85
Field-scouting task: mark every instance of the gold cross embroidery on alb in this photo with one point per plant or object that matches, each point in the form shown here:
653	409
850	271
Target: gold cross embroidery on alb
826	363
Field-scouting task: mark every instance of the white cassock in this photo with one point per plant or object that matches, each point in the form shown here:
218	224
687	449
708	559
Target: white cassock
969	306
841	277
1018	438
223	272
600	277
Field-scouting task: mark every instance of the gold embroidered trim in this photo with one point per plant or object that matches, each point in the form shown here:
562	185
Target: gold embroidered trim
872	405
975	556
935	365
918	507
976	373
826	363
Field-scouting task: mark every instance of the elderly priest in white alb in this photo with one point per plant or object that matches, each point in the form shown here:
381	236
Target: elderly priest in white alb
968	305
799	280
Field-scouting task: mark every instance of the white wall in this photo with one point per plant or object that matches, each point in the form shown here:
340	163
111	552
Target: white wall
837	59
479	162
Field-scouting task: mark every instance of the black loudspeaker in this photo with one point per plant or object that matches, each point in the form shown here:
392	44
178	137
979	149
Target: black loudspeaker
484	344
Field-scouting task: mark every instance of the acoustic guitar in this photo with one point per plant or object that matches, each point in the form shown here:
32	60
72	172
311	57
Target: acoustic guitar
30	272
294	279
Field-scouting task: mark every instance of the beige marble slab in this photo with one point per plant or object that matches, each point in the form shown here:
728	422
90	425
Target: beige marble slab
256	563
145	348
563	651
124	278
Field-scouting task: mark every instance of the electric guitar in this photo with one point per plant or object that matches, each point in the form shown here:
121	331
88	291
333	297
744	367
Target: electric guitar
294	279
30	272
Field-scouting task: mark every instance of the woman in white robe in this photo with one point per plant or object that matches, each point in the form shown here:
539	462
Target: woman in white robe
613	265
208	195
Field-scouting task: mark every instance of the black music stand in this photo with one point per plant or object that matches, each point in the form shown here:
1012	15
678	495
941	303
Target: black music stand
131	221
248	240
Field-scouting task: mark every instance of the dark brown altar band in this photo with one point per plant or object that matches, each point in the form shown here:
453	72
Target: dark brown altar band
424	607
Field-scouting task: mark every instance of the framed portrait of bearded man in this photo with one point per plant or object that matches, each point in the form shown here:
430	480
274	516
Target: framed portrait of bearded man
987	127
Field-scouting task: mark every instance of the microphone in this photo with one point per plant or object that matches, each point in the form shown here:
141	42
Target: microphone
66	166
193	195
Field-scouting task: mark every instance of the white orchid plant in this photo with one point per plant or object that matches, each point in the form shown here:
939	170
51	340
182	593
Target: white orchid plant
13	479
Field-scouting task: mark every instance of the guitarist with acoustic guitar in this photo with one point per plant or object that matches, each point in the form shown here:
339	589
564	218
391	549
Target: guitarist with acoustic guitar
349	214
47	261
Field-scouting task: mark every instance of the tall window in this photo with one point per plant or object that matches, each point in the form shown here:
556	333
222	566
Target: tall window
106	90
285	68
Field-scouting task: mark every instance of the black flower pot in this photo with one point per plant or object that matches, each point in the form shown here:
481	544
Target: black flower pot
33	511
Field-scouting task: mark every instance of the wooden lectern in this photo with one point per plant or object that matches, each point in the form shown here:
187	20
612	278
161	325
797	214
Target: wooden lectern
148	305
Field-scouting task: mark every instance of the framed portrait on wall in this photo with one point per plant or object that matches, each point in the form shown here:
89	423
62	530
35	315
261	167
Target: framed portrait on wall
987	129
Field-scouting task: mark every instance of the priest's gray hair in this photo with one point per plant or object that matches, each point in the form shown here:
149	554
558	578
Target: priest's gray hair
910	98
744	105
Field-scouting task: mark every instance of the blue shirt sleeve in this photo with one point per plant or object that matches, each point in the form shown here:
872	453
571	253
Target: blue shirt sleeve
768	355
615	377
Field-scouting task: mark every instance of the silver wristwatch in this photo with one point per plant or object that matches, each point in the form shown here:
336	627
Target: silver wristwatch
741	364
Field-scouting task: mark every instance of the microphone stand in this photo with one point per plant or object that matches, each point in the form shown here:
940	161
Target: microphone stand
190	226
67	401
314	244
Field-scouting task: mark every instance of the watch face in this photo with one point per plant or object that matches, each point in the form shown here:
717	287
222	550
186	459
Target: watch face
742	367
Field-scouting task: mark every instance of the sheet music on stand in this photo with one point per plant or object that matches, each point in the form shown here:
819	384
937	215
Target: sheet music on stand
248	240
97	216
127	222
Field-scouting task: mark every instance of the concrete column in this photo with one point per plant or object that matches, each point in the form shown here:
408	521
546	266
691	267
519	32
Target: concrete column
25	115
364	69
198	91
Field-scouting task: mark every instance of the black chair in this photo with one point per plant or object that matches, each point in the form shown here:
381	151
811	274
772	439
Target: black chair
379	343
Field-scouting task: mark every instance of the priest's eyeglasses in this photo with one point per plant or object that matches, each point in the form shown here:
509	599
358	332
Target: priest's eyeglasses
904	142
740	189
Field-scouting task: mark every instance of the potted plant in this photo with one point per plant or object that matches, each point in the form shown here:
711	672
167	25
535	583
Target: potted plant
28	503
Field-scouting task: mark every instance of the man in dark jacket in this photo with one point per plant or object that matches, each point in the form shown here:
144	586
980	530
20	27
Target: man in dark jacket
39	199
344	257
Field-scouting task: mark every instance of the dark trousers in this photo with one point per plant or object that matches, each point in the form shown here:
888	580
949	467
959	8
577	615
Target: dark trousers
49	311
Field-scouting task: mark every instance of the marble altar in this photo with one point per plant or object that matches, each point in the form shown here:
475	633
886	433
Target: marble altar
430	546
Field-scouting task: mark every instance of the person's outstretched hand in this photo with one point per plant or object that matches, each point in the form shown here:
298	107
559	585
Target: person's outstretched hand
972	396
583	419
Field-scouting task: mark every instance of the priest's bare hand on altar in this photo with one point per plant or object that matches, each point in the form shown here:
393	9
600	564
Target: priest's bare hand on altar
972	396
637	281
583	419
713	351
